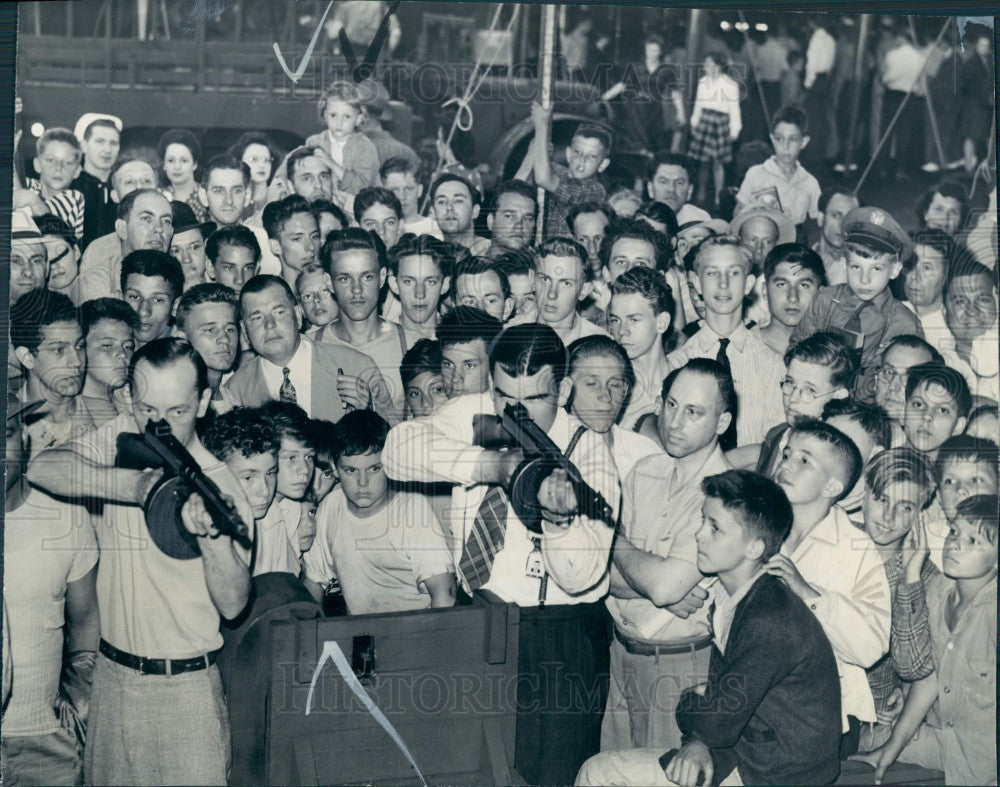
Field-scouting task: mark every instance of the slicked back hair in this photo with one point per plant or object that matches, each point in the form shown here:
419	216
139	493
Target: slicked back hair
160	353
410	245
523	350
795	254
280	211
601	346
708	367
465	324
237	236
350	239
872	418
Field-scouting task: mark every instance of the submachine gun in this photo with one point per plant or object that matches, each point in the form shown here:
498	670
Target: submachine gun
515	429
158	448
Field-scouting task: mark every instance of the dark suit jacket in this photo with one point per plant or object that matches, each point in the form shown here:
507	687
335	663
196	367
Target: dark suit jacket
247	387
772	706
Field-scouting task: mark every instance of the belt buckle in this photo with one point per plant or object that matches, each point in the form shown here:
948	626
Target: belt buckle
141	669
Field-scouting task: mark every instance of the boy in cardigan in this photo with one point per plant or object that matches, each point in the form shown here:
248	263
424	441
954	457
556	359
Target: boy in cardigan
782	727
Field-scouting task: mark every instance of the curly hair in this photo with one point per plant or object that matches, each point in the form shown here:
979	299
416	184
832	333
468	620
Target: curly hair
247	431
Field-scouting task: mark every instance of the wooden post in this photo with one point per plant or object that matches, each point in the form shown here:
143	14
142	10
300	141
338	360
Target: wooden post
202	55
109	9
859	67
695	34
546	56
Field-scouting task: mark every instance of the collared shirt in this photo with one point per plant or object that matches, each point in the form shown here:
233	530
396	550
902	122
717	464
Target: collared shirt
628	448
438	449
757	375
299	372
820	55
725	609
882	319
936	330
902	69
854	604
47	545
720	94
101	267
661	512
386	349
966	667
798	195
152	605
423	225
277	538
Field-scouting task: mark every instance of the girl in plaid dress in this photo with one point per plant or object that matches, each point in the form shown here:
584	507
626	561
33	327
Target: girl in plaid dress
715	123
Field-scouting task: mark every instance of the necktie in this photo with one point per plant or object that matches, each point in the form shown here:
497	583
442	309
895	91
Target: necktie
854	336
485	540
287	391
721	356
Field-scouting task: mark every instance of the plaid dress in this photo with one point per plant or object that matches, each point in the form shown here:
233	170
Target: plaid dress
709	139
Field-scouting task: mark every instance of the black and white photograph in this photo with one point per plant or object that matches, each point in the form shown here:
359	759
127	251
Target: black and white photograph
500	393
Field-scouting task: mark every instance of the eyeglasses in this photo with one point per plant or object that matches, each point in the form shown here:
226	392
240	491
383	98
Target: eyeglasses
887	375
806	395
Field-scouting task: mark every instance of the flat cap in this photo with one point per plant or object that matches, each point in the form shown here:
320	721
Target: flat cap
876	229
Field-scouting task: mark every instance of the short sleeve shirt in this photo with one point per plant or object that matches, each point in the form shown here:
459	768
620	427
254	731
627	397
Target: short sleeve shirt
572	191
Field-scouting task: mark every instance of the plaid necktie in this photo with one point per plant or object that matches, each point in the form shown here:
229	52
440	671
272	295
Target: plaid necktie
486	539
287	391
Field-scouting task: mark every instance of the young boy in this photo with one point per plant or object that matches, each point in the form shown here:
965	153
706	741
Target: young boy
793	274
818	370
781	182
278	546
965	466
830	565
378	210
970	309
234	256
247	441
864	311
108	325
422	382
386	547
900	355
419	274
924	277
315	292
784	728
466	335
898	486
561	277
356	262
586	155
519	268
868	428
57	162
948	721
293	235
937	404
399	175
724	280
639	317
151	282
479	284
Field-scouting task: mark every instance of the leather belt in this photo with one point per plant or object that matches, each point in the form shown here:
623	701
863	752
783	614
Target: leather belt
146	666
637	648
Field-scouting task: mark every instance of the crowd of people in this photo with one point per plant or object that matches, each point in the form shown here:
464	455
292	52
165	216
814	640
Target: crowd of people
789	409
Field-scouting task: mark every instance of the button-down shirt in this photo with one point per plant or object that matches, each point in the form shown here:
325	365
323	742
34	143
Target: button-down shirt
571	191
882	319
935	329
965	660
439	449
661	512
299	372
854	607
757	375
798	195
820	55
628	448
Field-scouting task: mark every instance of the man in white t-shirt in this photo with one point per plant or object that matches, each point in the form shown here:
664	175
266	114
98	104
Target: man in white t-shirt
160	616
49	590
386	547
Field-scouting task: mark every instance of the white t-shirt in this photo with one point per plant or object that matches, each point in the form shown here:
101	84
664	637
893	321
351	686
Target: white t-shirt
383	560
153	605
47	544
